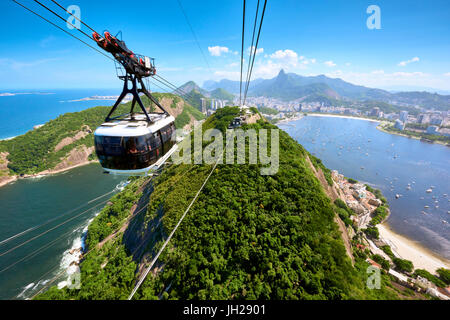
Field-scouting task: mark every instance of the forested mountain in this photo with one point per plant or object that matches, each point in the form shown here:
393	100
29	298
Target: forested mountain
290	86
194	95
70	137
247	236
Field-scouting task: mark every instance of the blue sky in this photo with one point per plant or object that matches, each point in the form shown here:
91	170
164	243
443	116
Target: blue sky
412	48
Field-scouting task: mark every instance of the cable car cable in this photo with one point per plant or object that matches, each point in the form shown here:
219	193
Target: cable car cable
141	280
65	20
256	47
252	49
195	37
242	55
70	34
52	219
51	229
74	15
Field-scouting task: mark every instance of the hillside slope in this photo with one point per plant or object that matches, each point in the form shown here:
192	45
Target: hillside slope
247	236
68	140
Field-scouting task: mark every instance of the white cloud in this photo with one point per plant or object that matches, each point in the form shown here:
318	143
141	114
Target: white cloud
378	72
330	63
308	61
348	64
409	74
217	51
258	51
287	56
404	63
447	74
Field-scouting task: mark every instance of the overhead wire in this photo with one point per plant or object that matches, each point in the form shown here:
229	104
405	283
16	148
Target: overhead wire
65	31
256	48
252	49
52	219
44	6
51	229
141	280
242	55
193	33
55	2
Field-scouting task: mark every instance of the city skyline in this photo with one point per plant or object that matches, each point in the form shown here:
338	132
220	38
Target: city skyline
408	51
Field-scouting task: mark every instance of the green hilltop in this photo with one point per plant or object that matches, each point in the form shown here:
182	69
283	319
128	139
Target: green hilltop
35	151
247	236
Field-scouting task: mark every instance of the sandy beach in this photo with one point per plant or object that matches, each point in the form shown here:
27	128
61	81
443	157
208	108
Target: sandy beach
421	257
339	116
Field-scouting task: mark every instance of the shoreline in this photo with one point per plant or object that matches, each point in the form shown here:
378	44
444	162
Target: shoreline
382	129
406	248
340	116
45	173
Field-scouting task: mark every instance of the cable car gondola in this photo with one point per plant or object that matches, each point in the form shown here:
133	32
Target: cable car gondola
135	143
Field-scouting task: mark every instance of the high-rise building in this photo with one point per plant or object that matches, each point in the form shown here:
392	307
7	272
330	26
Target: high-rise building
404	116
399	124
375	112
203	105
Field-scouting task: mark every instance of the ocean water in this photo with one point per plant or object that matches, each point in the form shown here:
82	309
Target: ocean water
29	261
25	109
387	162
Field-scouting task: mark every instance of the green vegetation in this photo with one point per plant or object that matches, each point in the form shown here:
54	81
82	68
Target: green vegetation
403	265
382	261
352	181
247	236
343	211
427	275
387	249
377	194
444	274
422	135
318	164
267	110
372	232
379	215
34	151
222	94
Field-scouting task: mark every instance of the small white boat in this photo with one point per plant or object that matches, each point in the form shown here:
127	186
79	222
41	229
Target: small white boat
426	207
397	196
429	190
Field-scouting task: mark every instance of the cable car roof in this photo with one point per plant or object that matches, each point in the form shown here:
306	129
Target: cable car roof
137	127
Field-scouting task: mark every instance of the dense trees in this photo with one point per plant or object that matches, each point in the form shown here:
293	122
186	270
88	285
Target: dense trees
247	236
34	151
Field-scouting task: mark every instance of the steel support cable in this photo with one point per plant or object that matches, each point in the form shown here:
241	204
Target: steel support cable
75	15
84	255
256	47
242	55
53	219
51	229
35	252
252	52
173	87
65	20
70	34
193	33
141	280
